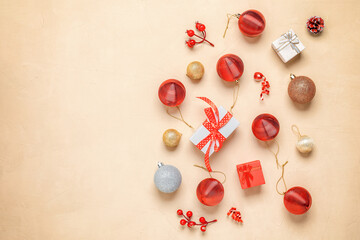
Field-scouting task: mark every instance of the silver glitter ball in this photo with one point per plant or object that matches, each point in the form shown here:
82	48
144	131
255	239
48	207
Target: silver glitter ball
167	178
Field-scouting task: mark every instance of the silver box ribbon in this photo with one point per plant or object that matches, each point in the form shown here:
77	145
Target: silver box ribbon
290	39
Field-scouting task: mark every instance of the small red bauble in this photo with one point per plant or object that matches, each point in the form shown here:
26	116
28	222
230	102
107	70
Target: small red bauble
297	200
230	67
251	23
265	127
172	92
210	192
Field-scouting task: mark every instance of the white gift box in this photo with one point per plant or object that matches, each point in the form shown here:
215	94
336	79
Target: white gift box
288	46
226	130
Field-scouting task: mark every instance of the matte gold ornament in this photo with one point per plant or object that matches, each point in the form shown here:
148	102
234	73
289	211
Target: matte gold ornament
171	138
195	70
301	89
305	144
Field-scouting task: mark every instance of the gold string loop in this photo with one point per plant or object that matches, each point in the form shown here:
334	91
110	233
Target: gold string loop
204	168
296	131
229	16
283	179
275	154
235	95
180	119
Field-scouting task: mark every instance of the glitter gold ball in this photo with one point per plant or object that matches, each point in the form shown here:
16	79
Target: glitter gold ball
171	138
195	70
301	89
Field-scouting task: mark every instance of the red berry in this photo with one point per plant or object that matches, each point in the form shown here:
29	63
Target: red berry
202	220
201	27
189	214
182	221
191	224
190	33
179	212
197	25
191	43
203	228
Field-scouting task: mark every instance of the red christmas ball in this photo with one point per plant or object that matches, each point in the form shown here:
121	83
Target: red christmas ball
251	23
230	67
265	127
172	92
210	192
297	200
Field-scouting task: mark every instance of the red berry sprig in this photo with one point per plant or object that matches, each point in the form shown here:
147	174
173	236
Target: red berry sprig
236	215
258	76
187	220
201	28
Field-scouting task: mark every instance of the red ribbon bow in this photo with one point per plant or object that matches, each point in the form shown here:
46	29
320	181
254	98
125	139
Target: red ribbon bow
246	176
213	124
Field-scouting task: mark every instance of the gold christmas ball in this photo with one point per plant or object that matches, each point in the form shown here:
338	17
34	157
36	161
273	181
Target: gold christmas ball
301	89
171	138
195	70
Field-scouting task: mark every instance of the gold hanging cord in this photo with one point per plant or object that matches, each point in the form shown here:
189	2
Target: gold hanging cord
181	116
283	179
229	16
212	171
275	153
235	95
296	131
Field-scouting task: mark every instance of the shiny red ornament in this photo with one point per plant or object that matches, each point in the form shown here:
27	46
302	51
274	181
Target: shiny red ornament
251	23
230	67
210	192
265	127
297	200
172	92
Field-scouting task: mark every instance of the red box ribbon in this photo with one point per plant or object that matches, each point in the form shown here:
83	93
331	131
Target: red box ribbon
213	124
247	177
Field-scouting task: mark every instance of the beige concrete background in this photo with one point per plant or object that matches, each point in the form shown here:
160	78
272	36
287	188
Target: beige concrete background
81	124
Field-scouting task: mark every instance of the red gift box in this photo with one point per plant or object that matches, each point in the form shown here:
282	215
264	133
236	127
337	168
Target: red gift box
250	174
